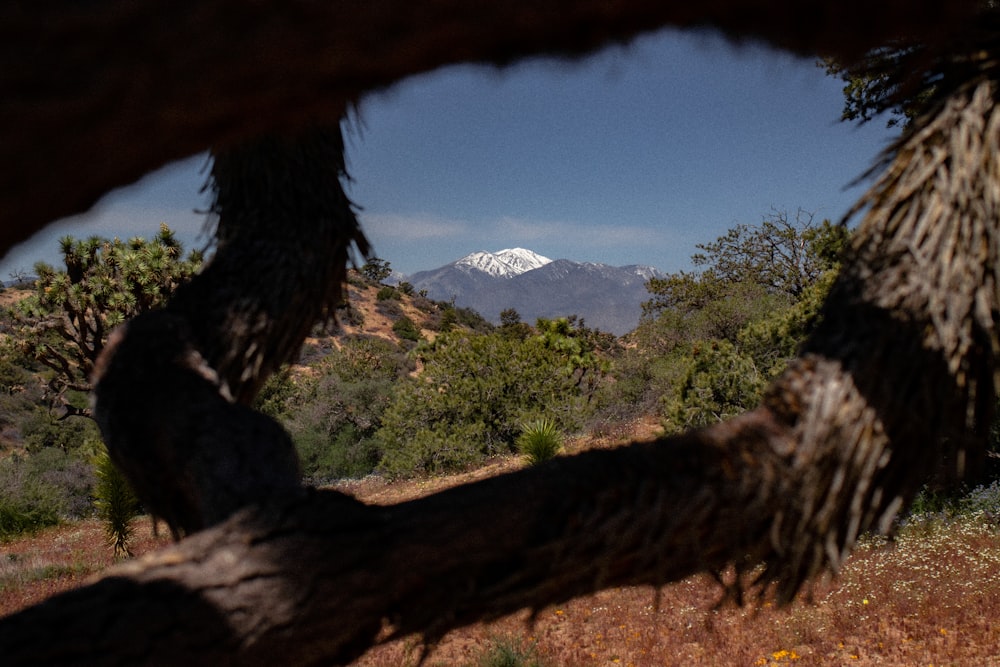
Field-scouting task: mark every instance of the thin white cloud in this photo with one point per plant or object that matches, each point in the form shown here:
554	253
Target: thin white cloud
419	227
583	235
509	229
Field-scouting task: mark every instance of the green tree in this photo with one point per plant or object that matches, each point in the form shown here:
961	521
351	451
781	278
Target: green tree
472	398
904	77
577	346
874	85
783	255
774	339
719	383
406	329
65	324
376	270
511	325
709	340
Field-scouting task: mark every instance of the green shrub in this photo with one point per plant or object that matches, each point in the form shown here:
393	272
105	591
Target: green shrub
405	328
508	652
116	504
41	489
719	384
41	429
386	293
275	397
540	441
470	402
343	453
333	413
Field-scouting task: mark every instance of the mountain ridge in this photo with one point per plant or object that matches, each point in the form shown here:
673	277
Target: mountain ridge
606	297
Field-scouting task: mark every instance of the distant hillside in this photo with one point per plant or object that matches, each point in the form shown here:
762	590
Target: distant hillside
607	297
376	310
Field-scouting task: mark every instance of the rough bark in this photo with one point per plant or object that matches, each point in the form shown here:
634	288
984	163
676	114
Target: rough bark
172	387
94	95
903	361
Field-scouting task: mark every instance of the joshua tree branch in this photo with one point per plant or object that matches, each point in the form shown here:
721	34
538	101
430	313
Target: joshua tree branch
903	362
93	97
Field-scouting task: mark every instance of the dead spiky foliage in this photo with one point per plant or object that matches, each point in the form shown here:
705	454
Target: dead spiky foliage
900	372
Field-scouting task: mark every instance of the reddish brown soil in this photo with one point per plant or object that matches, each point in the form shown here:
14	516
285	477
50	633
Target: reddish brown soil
61	558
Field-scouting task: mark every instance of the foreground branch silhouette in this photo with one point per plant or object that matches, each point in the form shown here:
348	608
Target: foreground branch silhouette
902	362
96	96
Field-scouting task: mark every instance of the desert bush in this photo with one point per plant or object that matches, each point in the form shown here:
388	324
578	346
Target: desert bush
116	504
390	308
983	499
386	293
405	328
356	279
350	316
508	651
423	304
539	441
41	489
333	415
471	400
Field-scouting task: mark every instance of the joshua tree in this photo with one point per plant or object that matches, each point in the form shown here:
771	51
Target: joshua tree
904	359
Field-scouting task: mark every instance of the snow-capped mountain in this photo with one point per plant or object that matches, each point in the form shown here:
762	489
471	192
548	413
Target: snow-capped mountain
505	263
606	297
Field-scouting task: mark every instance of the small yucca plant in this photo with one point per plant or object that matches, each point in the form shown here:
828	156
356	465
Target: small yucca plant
508	652
116	504
540	440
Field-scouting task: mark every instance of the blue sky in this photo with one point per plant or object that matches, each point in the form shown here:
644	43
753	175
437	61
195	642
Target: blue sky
632	156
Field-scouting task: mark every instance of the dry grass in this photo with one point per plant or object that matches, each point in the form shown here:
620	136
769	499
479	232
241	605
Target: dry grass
57	559
932	597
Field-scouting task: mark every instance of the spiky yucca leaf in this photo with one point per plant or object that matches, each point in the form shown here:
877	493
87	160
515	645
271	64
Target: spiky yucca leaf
116	504
540	440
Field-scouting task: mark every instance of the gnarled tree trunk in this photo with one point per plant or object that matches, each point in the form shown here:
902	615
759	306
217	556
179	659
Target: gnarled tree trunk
903	360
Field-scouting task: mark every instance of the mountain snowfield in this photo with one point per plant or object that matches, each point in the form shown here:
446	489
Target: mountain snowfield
505	263
606	297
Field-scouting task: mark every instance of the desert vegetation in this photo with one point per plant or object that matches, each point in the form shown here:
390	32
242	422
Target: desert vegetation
406	388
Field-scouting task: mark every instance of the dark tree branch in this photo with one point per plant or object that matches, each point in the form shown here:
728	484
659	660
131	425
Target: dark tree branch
903	362
568	528
94	96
